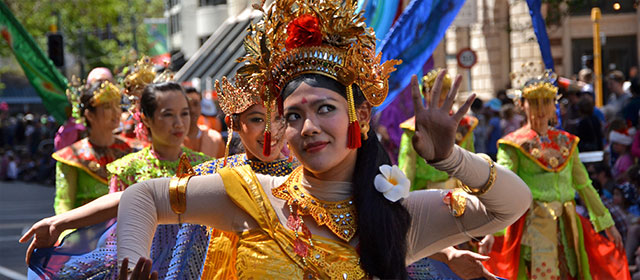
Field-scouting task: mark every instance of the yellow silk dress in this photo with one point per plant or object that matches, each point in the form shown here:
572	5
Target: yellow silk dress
267	252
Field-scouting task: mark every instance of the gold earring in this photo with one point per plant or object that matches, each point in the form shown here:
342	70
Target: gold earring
364	128
290	158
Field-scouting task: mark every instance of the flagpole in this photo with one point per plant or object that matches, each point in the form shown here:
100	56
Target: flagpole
597	59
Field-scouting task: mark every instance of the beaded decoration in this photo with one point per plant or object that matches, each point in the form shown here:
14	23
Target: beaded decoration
543	87
339	217
429	80
143	74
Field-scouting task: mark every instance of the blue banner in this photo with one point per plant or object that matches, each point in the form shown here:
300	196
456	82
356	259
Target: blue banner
540	29
413	39
380	14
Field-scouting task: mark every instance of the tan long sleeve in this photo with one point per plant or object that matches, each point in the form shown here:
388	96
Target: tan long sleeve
434	227
146	204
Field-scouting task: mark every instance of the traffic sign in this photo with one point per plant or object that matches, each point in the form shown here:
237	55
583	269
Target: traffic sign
467	58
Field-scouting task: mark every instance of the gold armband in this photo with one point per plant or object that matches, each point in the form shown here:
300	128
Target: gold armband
178	193
490	182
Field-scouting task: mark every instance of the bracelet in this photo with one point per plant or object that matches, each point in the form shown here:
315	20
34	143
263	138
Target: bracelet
487	186
178	193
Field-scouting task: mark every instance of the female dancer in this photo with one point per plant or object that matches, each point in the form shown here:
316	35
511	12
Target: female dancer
81	174
248	118
422	175
165	113
309	223
552	241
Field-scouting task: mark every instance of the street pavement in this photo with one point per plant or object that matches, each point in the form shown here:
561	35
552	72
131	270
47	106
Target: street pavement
21	205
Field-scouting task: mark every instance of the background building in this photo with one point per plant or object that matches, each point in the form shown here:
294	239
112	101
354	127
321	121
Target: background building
192	22
502	37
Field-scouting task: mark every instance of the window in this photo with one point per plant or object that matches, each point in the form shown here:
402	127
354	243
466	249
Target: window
172	3
174	24
212	2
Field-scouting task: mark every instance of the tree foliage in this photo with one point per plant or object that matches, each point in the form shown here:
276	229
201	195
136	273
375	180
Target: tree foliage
96	32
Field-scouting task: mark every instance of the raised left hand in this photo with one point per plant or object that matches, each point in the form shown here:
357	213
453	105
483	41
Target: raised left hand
435	132
614	236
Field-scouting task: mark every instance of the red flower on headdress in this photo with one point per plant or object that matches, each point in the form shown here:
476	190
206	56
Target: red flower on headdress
303	31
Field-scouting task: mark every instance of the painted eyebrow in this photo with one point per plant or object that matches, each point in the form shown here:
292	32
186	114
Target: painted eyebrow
312	103
256	113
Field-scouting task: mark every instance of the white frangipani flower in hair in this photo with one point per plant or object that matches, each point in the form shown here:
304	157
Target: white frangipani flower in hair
392	183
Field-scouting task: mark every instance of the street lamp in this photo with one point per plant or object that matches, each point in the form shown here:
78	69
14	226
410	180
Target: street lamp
616	6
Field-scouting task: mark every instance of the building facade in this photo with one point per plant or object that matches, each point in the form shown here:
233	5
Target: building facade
191	22
503	39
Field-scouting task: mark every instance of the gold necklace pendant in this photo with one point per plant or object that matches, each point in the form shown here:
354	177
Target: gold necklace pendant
340	216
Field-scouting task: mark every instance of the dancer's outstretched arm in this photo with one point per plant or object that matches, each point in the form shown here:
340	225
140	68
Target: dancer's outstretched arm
47	231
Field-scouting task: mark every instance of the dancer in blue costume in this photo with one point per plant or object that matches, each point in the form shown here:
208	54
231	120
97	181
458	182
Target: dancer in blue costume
178	251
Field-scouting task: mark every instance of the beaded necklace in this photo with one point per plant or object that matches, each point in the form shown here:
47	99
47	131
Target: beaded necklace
340	216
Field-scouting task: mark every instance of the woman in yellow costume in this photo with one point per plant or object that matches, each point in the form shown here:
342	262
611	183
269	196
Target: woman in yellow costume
335	216
81	174
422	175
247	116
551	241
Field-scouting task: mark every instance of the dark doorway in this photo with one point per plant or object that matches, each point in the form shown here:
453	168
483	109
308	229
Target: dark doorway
618	53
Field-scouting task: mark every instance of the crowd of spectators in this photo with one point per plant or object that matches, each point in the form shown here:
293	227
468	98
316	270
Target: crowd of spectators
609	131
26	145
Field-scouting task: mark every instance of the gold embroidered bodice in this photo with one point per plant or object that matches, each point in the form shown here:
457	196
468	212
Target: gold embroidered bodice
267	252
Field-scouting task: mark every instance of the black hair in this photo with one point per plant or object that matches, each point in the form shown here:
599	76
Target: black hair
86	98
188	90
477	105
585	106
382	224
149	102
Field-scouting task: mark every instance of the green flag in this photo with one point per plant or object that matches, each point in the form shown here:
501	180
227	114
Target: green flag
157	35
44	77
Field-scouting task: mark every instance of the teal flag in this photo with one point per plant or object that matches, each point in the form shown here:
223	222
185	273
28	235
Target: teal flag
39	69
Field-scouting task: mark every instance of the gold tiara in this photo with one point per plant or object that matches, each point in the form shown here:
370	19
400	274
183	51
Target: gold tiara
108	92
142	74
541	82
429	80
236	99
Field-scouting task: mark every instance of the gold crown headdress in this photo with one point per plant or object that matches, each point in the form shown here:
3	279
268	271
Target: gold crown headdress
429	80
235	100
165	76
142	74
543	85
108	92
322	37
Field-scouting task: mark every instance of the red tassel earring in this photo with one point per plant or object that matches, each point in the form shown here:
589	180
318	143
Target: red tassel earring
353	132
